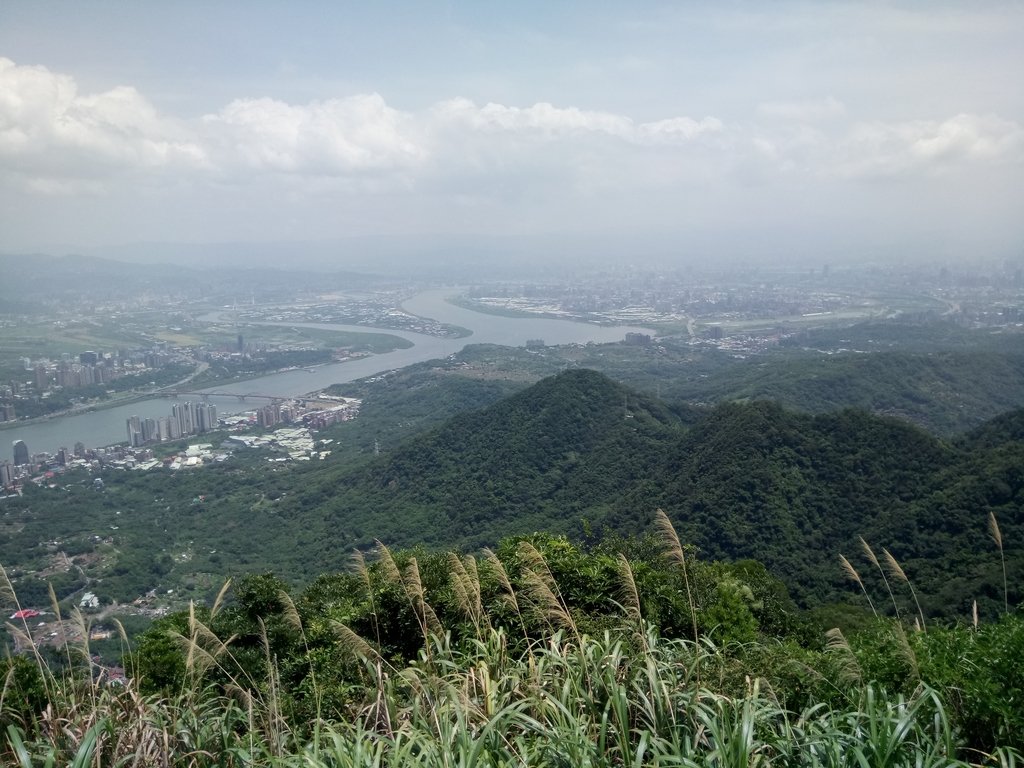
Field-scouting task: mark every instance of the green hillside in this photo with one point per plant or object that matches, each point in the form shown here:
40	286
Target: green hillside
585	639
539	460
577	454
742	480
944	392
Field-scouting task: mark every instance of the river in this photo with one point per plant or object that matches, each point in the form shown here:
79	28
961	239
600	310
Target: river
107	426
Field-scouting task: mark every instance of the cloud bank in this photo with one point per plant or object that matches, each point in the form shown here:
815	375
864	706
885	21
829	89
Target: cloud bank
359	163
50	132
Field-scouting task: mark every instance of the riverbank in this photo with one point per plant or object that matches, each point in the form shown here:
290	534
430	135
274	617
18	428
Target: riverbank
165	393
102	405
374	341
106	425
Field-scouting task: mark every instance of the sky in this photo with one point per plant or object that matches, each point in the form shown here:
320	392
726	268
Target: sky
821	130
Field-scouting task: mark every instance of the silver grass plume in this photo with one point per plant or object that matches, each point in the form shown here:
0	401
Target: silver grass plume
997	537
675	552
850	571
897	572
874	560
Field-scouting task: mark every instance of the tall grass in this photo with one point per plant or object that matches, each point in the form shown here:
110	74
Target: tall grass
997	537
560	697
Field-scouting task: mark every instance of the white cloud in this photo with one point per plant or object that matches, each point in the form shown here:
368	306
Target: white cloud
676	129
48	131
548	121
888	149
55	141
352	135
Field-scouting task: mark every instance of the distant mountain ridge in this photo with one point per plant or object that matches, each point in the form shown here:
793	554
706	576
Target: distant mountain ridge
46	277
942	391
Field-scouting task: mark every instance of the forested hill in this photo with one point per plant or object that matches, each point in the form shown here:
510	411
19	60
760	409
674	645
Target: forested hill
578	452
1003	429
944	391
542	459
575	453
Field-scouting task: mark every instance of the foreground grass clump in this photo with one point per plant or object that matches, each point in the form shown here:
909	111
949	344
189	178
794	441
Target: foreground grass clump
596	702
537	654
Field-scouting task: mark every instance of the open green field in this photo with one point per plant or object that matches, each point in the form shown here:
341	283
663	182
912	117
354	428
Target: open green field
52	339
271	336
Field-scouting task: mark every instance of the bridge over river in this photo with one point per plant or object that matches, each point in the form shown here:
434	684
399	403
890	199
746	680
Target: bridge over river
241	396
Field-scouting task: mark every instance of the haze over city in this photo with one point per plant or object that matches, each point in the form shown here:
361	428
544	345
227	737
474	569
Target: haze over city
821	131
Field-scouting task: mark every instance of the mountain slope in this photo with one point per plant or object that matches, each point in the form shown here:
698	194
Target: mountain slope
741	480
576	453
538	460
944	392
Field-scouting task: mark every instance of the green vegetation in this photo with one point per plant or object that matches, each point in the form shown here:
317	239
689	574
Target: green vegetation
52	339
541	653
573	454
407	402
272	336
945	392
586	644
743	480
937	375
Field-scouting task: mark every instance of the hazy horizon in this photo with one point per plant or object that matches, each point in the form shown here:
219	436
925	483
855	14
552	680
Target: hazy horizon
836	132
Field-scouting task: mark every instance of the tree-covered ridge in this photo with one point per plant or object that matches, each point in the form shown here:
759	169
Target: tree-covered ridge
944	391
1003	429
939	375
577	454
555	650
537	457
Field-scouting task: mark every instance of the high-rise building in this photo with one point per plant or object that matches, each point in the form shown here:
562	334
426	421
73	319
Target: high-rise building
20	453
206	417
134	431
6	474
186	415
80	450
62	457
42	377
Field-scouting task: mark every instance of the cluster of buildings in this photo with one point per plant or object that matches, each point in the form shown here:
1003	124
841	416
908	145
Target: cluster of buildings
319	414
25	464
975	295
295	443
344	410
185	419
293	422
44	467
90	369
93	367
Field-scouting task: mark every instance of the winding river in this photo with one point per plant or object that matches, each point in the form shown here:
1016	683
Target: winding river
107	426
